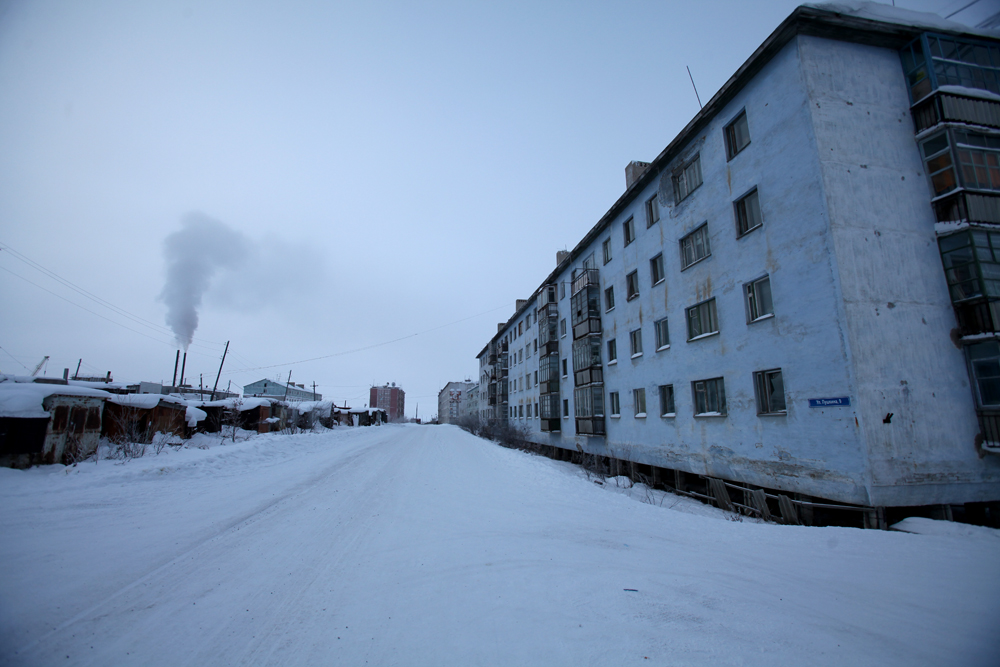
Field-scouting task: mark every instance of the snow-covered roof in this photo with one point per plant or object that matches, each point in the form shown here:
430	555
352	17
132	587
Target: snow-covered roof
145	401
24	399
229	403
877	11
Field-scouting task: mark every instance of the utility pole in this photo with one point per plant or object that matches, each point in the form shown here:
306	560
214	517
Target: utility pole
287	382
220	370
314	390
201	386
77	373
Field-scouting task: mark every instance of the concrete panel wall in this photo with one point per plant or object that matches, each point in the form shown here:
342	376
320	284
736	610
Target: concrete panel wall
898	315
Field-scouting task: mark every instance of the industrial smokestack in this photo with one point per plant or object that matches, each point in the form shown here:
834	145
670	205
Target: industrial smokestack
183	365
177	360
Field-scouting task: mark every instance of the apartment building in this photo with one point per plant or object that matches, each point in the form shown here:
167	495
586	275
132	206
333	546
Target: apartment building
453	400
391	399
765	307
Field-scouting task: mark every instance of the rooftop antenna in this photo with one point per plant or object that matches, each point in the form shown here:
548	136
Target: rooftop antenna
694	86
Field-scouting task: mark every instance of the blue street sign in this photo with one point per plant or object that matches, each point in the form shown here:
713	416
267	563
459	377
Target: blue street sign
829	402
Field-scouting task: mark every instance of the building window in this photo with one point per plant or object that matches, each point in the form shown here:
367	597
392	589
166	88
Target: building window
702	320
656	269
985	361
667	400
565	407
978	159
536	411
628	230
687	179
564	374
770	392
709	397
748	215
631	285
758	299
520	412
562	327
536	377
639	402
937	159
609	299
737	135
536	345
695	246
612	351
615	404
662	334
652	211
562	290
635	341
606	246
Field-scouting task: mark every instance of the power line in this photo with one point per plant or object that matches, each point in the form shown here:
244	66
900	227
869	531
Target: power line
59	296
366	347
961	9
89	295
15	359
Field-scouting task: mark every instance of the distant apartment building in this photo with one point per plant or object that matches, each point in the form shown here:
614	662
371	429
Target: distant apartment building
452	401
764	309
389	398
276	389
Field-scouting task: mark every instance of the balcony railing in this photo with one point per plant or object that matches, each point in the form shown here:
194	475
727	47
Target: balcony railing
590	425
963	205
585	278
989	427
945	108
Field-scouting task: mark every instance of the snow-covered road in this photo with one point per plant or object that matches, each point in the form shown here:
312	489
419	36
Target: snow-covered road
422	545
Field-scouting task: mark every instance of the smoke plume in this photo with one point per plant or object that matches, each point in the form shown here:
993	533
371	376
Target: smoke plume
194	254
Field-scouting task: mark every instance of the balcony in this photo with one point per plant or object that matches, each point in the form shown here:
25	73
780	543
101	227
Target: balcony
589	410
584	279
587	367
946	108
548	330
549	409
586	311
968	206
548	374
590	426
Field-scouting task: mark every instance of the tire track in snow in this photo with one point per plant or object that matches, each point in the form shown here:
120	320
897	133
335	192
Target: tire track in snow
268	508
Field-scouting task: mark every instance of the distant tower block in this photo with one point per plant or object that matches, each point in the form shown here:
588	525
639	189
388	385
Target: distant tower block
390	398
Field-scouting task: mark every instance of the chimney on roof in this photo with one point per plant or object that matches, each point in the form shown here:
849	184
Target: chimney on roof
561	256
500	326
634	171
519	304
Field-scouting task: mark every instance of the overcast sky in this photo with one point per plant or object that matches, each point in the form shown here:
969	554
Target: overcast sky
381	170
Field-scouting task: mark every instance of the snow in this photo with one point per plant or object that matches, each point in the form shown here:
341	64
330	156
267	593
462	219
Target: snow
971	338
194	415
945	228
22	399
144	401
422	545
922	526
230	403
877	11
970	92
